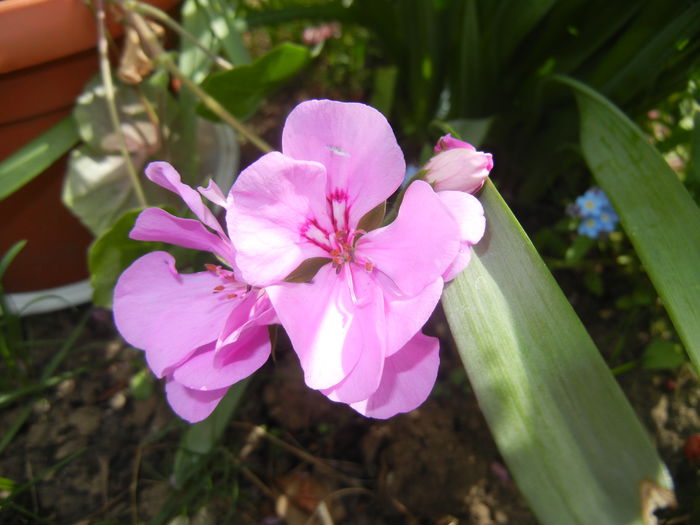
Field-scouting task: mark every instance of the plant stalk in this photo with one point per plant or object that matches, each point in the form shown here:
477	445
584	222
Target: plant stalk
156	52
160	15
106	73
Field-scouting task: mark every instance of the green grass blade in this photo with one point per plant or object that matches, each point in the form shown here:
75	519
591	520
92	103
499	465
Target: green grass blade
566	431
29	161
657	212
646	62
9	256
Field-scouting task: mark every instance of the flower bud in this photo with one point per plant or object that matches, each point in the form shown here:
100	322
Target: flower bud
457	165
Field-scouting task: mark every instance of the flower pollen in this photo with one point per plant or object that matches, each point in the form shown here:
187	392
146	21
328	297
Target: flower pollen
230	287
341	242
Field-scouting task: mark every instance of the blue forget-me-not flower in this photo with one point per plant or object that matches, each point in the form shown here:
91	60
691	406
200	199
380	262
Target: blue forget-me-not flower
596	212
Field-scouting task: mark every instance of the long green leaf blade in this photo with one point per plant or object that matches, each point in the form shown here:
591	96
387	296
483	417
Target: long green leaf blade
570	438
29	161
657	212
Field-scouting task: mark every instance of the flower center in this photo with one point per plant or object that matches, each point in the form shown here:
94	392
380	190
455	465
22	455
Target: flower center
229	288
341	242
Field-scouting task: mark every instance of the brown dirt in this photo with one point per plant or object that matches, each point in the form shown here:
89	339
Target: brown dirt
316	459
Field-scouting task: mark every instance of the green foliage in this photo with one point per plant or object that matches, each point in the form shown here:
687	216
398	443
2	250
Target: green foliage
242	89
659	216
661	354
111	253
200	441
141	384
32	159
97	188
566	431
10	328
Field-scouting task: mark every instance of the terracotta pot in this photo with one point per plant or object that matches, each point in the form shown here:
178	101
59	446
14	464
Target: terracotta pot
47	54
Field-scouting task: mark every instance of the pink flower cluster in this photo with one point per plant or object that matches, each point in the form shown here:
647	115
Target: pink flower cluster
314	35
355	320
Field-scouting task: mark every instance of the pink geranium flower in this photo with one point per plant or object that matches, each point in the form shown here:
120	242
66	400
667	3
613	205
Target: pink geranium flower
203	331
356	325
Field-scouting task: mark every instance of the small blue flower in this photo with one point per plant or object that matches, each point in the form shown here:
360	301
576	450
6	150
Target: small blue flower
592	202
589	227
596	212
608	220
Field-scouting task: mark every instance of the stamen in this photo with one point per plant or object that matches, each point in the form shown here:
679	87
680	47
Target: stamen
229	288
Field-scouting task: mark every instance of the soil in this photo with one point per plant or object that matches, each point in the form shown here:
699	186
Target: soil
99	453
94	449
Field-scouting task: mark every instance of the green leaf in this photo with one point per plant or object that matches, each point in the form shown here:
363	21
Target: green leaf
570	438
111	253
7	484
97	188
242	89
229	29
578	249
656	211
91	114
32	159
384	87
10	255
201	438
192	61
141	384
661	354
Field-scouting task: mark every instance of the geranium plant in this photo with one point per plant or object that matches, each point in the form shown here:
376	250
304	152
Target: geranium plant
354	319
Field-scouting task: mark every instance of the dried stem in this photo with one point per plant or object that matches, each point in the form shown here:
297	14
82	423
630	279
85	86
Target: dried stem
260	432
106	72
160	15
156	52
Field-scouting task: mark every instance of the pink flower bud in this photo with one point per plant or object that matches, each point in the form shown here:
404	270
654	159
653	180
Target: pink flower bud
457	165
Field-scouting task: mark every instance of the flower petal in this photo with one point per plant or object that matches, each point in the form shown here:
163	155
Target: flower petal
167	314
365	337
155	224
469	215
213	193
273	200
237	361
255	310
409	376
166	176
406	316
356	145
415	249
332	326
192	405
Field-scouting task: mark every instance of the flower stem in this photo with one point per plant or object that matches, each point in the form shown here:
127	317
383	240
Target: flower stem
154	49
106	73
162	16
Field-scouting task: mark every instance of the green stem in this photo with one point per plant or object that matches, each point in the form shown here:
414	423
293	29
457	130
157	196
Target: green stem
625	367
106	72
160	15
154	49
